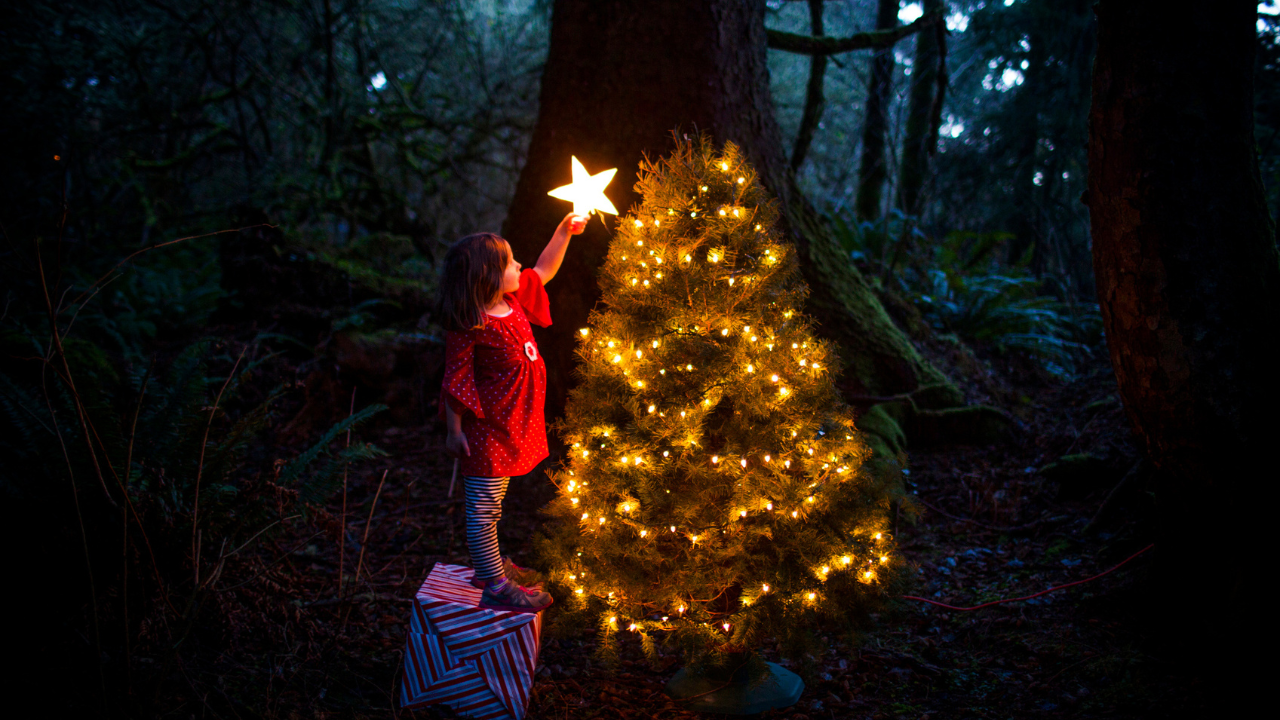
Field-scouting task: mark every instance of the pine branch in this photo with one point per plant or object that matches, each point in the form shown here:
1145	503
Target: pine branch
713	479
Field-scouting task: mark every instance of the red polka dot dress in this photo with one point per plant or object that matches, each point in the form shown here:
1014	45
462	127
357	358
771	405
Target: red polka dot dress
494	377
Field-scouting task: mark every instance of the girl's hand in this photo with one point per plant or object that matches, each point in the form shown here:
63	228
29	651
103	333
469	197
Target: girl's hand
455	445
574	224
552	255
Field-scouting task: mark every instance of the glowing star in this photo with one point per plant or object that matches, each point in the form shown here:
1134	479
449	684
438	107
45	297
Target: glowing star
586	192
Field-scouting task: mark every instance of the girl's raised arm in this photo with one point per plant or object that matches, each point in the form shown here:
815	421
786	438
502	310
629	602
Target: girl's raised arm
553	254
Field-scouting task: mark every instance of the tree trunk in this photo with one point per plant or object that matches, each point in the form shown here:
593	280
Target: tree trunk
1027	215
619	77
813	100
872	171
1189	283
928	86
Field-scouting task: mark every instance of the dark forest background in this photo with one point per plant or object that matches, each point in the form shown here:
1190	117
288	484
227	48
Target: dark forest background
223	223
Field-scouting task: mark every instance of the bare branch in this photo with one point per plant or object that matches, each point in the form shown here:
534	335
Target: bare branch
84	295
809	45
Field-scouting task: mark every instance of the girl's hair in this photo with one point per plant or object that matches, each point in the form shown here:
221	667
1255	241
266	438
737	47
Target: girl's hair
472	277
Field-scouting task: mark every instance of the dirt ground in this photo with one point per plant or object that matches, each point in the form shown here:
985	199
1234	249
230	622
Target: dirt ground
994	522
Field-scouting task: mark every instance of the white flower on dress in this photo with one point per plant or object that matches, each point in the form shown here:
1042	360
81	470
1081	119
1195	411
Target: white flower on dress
531	350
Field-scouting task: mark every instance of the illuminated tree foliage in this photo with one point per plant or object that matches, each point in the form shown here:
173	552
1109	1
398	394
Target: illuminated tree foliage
715	491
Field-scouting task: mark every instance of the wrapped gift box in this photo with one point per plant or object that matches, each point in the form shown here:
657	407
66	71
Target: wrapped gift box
478	662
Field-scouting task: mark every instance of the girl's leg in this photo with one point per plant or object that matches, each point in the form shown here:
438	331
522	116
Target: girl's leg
484	508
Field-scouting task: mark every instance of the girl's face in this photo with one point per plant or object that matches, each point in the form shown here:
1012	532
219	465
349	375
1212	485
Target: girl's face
511	276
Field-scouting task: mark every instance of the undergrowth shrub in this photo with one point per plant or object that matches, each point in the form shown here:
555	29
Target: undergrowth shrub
1006	313
961	288
133	473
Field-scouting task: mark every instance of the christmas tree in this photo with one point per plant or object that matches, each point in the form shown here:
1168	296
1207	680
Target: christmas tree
715	491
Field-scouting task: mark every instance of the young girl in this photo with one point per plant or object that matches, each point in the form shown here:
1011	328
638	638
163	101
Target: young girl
495	384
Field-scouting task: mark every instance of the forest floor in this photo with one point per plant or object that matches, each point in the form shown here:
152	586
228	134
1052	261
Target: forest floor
991	525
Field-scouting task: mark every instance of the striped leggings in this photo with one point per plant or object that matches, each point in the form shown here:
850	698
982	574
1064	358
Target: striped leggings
484	508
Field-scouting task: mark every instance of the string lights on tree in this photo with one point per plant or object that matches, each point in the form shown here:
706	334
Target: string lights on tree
714	493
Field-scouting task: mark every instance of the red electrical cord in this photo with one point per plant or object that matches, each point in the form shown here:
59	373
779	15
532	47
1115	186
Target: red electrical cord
1028	597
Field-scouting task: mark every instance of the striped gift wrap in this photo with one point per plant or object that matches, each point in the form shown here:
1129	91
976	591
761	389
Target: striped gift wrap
478	662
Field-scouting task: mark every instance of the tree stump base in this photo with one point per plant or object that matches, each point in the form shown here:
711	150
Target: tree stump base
780	688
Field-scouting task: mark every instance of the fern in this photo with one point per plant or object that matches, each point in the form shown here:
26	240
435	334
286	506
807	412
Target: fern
27	417
1005	312
293	470
166	421
361	314
226	454
323	483
959	285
